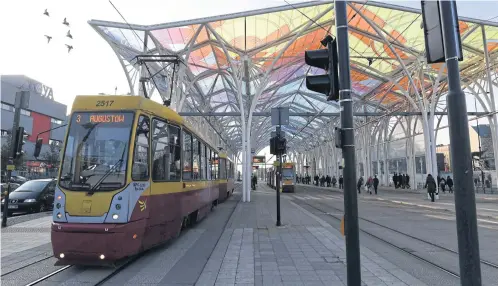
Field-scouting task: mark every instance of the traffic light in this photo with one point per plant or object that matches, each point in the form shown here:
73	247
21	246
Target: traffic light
21	137
326	59
281	145
273	145
38	146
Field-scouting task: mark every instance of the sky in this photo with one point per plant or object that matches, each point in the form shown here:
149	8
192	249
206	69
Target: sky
92	67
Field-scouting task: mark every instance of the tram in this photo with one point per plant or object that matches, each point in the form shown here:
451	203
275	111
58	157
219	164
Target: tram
133	174
288	177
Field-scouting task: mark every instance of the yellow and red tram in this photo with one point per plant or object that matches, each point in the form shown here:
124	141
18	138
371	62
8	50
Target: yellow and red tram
132	175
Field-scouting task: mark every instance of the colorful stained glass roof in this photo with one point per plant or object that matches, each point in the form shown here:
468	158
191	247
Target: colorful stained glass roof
255	61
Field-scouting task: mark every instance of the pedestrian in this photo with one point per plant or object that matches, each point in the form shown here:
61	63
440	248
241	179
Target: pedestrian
430	184
449	182
359	184
376	183
442	185
369	185
341	182
334	181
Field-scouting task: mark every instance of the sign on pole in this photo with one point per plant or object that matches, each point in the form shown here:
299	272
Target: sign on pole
280	116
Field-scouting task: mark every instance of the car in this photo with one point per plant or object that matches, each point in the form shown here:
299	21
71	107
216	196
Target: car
32	196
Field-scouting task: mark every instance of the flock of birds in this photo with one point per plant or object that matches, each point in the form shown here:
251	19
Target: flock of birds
68	34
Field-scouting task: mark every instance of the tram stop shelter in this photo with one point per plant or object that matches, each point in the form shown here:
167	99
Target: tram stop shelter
236	67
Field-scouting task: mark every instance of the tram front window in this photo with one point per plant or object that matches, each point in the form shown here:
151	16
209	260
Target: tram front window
288	174
96	151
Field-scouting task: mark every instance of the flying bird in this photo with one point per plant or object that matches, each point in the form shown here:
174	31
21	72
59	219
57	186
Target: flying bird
69	34
46	13
65	22
69	48
48	38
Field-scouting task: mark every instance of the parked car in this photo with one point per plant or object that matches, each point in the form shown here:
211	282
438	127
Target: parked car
32	196
18	180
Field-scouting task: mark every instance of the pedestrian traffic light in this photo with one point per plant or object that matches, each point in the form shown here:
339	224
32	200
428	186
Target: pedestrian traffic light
38	146
326	59
21	137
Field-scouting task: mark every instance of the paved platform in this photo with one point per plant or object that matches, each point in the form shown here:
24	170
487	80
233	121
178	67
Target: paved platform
237	244
304	251
26	235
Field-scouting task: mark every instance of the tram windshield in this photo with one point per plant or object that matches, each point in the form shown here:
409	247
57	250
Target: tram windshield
96	151
288	173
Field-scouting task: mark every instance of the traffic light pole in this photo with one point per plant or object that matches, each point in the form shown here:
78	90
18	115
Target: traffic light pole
348	151
465	204
15	126
279	174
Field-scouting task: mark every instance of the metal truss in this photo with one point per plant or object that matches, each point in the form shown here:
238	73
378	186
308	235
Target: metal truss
242	85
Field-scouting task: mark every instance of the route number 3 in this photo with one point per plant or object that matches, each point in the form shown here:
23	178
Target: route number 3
102	103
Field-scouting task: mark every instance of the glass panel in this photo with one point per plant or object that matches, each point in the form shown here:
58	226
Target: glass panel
140	169
160	157
187	156
203	161
175	149
96	151
195	153
208	162
288	173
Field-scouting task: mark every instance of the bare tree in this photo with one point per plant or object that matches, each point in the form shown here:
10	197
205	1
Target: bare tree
52	155
6	154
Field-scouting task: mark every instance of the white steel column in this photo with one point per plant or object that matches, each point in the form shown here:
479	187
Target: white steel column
494	127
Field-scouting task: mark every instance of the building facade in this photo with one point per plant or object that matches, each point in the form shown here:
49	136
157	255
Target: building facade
42	114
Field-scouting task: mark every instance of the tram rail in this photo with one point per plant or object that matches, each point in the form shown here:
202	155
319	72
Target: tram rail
404	250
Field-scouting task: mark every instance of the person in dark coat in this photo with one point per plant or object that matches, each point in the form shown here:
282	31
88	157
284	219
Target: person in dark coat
359	184
375	183
395	180
430	184
449	182
341	182
334	181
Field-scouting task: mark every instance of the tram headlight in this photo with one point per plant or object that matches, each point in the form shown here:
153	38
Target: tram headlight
59	215
58	205
115	216
118	207
61	255
102	256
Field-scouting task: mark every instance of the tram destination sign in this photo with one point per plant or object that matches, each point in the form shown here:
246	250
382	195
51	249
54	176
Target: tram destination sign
258	159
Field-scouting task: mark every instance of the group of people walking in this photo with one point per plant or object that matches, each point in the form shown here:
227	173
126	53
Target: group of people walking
321	181
371	183
401	181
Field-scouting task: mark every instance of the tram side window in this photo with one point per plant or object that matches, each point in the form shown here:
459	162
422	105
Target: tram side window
175	149
203	161
214	166
187	156
195	153
208	162
160	152
140	170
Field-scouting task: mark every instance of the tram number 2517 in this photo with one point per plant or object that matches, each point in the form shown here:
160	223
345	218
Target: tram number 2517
102	103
